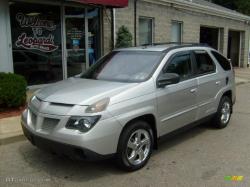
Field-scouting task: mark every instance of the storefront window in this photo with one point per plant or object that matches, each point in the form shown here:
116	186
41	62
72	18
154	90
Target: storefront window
36	42
145	30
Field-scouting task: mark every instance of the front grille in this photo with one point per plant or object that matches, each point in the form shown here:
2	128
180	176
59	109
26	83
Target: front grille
49	124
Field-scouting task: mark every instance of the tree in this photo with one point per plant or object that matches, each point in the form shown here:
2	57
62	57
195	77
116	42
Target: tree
231	4
242	6
124	38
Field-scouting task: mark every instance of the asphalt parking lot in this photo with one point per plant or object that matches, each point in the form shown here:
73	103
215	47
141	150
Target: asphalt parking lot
201	156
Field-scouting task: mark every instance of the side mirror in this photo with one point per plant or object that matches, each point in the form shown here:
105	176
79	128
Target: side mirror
167	79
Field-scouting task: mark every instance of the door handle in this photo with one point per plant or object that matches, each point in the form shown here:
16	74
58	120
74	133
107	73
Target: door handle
218	83
193	90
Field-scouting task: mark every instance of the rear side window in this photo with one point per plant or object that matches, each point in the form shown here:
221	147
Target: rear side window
204	63
225	64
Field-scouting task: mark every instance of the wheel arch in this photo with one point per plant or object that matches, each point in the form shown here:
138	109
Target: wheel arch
150	119
229	94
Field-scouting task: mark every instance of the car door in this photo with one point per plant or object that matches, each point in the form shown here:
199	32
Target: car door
176	103
209	83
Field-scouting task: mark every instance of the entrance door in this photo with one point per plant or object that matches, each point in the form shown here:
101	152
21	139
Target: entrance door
233	52
75	40
209	36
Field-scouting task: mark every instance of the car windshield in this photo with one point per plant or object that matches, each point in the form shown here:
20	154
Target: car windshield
125	66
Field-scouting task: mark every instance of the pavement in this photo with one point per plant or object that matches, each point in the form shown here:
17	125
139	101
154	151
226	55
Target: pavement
242	75
202	156
10	128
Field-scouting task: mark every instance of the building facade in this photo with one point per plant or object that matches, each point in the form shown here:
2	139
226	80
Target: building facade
47	41
188	21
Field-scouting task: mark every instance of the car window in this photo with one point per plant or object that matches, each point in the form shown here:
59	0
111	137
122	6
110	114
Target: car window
180	65
125	66
225	64
204	63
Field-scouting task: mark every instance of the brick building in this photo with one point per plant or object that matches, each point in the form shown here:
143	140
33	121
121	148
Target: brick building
185	21
47	41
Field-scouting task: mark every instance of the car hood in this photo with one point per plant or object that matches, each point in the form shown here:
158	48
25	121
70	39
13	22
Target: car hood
77	91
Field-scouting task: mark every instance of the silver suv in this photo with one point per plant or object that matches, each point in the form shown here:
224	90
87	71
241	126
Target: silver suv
130	99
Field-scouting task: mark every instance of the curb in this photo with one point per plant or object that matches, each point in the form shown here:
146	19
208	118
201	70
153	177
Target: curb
241	83
12	139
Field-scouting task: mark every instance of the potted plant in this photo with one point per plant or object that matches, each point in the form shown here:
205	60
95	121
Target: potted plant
124	37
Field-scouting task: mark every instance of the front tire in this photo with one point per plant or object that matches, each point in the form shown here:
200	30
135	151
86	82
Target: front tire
223	115
135	146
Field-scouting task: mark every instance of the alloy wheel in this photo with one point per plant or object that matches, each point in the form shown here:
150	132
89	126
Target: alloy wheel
138	147
225	112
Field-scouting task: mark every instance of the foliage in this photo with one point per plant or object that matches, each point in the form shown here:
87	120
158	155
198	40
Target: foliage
242	6
124	38
12	90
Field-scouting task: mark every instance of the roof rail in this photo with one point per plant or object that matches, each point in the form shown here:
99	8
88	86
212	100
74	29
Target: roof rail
177	43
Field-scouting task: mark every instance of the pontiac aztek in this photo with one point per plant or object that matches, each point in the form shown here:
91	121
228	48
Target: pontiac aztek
128	100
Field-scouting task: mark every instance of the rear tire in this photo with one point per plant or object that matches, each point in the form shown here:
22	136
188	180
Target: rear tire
223	115
135	146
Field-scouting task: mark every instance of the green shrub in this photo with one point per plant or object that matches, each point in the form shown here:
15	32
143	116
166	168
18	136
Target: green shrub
12	90
124	38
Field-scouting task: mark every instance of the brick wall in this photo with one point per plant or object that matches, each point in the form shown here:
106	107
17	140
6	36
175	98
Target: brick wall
107	40
163	16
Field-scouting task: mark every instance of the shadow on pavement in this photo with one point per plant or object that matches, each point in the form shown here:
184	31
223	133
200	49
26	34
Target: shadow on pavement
189	133
79	171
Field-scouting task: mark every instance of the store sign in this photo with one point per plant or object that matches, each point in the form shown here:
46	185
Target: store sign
75	33
38	40
45	44
111	3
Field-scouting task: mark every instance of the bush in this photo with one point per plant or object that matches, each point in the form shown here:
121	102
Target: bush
12	90
124	38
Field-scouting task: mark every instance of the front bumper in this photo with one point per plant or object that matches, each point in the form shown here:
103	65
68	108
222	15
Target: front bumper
99	143
73	152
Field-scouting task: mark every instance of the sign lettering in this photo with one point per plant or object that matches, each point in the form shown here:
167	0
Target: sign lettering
37	41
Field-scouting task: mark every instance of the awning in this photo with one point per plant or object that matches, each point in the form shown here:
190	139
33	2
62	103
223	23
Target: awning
109	3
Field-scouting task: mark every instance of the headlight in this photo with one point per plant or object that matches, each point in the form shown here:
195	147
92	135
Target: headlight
83	124
32	98
98	106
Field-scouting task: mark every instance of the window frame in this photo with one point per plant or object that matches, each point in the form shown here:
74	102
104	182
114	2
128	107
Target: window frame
152	27
195	64
180	53
181	24
222	56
